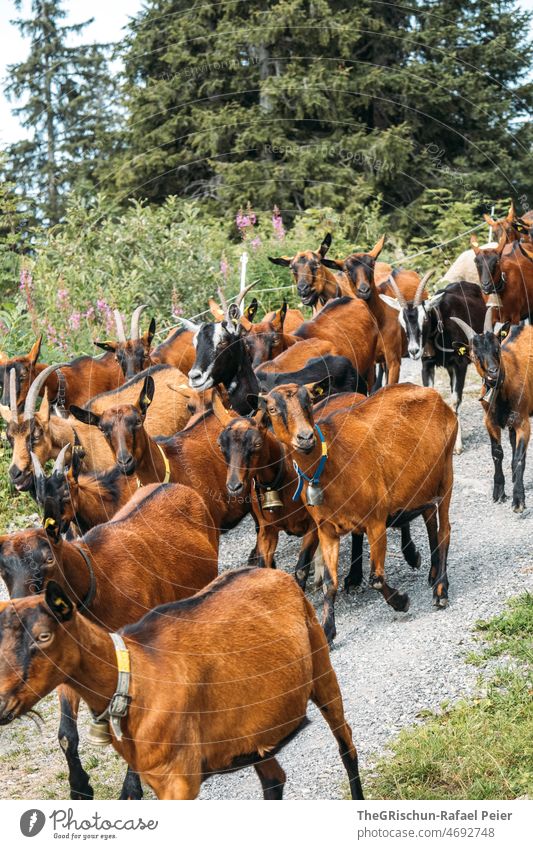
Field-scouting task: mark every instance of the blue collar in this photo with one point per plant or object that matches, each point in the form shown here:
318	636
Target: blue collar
319	469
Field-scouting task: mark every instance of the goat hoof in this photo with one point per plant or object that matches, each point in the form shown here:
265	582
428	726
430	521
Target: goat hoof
375	583
417	561
400	602
86	794
499	496
352	585
458	450
519	507
440	603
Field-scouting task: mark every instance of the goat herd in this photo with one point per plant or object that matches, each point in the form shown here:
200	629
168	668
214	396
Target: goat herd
116	601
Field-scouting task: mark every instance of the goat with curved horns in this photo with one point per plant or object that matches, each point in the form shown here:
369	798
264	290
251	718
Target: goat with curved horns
504	361
133	354
262	672
430	332
220	349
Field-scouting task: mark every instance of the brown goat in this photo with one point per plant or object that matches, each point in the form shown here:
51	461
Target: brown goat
390	460
164	548
268	338
190	457
513	227
133	354
70	383
262	670
506	278
506	368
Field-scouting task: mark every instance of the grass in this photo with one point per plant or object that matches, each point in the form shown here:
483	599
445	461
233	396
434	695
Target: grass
479	748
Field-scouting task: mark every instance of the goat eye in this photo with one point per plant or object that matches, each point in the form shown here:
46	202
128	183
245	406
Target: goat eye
272	411
44	637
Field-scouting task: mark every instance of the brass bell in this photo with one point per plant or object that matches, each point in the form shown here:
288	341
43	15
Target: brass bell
99	733
270	499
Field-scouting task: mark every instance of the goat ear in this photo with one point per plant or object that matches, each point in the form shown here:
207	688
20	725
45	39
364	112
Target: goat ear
460	348
334	264
251	310
511	215
279	318
490	221
474	244
5	412
33	355
318	390
378	247
325	246
107	346
504	330
147	394
52	519
285	261
216	310
44	409
220	411
85	416
150	333
58	602
391	302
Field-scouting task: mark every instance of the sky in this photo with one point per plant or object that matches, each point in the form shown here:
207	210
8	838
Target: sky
110	18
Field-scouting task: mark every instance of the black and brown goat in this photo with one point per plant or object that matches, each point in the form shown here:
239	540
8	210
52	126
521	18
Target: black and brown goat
85	499
133	354
190	457
263	670
161	549
70	383
431	331
390	459
506	368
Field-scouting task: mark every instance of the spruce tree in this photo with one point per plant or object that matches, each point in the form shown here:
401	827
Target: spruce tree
67	108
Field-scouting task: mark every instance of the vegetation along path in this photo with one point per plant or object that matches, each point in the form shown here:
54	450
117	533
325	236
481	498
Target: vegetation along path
393	668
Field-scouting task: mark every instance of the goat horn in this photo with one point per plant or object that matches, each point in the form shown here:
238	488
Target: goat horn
241	296
421	286
120	327
59	465
467	330
487	327
13	394
35	388
190	325
399	295
224	303
134	334
38	470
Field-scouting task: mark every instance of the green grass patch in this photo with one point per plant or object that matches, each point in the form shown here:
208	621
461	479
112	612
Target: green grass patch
478	748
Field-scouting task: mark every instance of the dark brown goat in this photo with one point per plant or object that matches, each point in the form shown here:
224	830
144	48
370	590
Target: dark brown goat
390	460
133	354
506	368
190	457
85	499
262	670
162	549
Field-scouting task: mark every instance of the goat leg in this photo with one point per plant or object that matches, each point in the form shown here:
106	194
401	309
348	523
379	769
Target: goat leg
272	778
68	736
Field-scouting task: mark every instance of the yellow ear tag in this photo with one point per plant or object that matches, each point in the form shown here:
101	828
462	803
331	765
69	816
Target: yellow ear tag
503	334
461	351
61	604
49	522
319	390
146	401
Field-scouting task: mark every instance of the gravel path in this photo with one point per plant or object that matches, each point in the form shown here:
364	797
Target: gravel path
390	666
